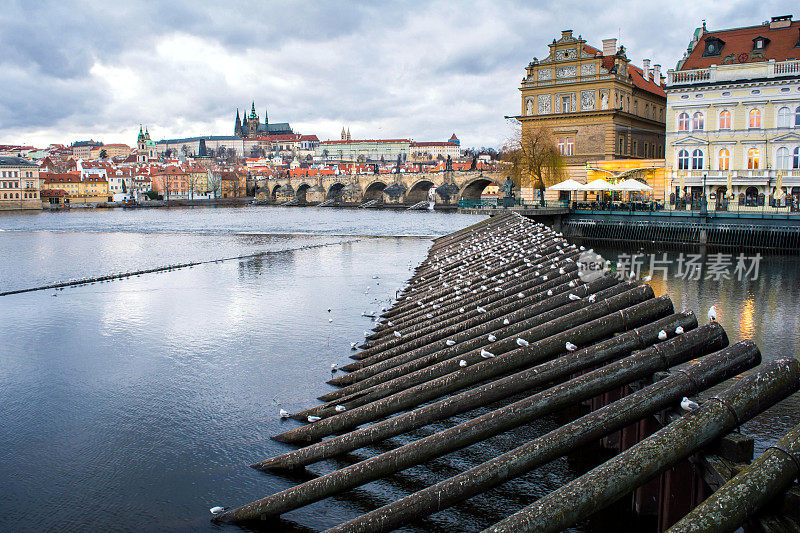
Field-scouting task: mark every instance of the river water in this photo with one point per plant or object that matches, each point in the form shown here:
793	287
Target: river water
138	404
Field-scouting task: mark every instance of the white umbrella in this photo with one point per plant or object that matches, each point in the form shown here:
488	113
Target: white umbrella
597	185
567	185
632	185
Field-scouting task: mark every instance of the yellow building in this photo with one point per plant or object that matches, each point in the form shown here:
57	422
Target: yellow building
733	117
19	184
597	105
91	189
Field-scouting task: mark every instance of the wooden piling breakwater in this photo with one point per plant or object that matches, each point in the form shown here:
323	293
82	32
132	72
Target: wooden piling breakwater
500	326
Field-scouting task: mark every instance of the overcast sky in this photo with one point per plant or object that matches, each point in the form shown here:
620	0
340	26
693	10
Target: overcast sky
79	70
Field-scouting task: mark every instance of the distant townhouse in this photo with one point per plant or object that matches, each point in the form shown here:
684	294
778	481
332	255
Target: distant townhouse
363	150
431	151
90	189
733	124
83	149
19	184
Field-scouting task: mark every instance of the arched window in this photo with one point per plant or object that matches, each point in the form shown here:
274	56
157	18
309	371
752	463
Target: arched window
683	160
784	160
797	117
683	122
698	121
697	160
796	158
755	118
724	159
784	117
725	120
753	159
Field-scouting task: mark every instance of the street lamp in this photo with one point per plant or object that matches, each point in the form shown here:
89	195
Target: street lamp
704	202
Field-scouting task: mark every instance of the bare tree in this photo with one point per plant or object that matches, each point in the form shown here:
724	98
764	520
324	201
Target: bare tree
164	184
214	183
536	161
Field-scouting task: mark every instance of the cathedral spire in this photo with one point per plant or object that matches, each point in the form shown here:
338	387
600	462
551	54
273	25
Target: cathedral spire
237	127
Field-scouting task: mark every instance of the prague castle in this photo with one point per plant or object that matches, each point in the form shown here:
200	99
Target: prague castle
251	127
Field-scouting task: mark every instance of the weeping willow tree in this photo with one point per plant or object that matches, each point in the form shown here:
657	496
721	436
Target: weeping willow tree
534	156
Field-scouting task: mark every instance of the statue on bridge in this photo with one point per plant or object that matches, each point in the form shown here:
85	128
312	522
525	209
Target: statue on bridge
508	192
448	166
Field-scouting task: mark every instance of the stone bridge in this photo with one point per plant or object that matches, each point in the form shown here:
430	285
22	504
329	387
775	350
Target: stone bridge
404	188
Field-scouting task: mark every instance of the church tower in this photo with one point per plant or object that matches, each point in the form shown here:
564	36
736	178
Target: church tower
344	134
252	123
237	128
141	145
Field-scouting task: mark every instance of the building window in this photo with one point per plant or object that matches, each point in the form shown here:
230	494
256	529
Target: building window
565	104
724	159
797	117
784	117
683	160
796	158
755	118
697	160
784	160
753	159
725	120
683	122
560	145
698	121
569	146
620	145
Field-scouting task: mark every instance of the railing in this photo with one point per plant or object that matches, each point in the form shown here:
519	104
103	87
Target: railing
787	208
733	71
497	203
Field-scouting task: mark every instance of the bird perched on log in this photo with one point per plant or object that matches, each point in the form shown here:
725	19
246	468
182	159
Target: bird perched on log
449	342
574	297
486	354
333	367
491	338
340	408
678	330
312	418
353	345
284	413
712	313
480	309
662	335
592	298
217	509
522	342
570	347
462	363
689	405
506	322
398	334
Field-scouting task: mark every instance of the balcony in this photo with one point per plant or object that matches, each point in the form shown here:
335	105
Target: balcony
733	72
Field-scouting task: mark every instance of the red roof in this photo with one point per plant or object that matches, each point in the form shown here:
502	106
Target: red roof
434	143
309	138
782	45
637	77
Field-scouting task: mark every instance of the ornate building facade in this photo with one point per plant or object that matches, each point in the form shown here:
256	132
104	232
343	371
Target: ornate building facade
251	127
595	102
733	116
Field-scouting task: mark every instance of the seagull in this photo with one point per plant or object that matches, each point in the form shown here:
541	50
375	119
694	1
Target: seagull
486	354
480	309
647	278
574	297
491	338
662	335
678	330
389	323
462	363
449	342
428	315
688	405
520	295
217	509
522	342
340	408
284	414
330	320
353	345
506	322
592	298
570	347
550	292
366	333
329	310
398	334
712	313
312	418
333	367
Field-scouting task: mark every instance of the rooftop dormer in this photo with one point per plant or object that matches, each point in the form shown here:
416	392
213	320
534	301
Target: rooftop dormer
760	43
713	46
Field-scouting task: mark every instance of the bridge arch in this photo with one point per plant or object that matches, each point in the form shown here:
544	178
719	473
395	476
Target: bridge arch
374	191
300	193
473	189
274	192
419	191
335	191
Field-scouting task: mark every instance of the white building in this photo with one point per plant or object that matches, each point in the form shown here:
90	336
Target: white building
733	116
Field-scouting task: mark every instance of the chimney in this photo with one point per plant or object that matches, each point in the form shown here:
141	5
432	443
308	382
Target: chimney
780	22
609	47
566	34
646	69
657	74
